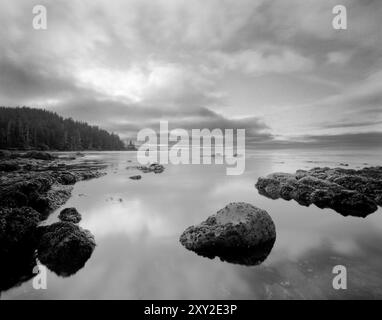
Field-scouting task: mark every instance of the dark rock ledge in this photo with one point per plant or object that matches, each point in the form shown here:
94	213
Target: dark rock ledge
347	191
239	233
42	182
33	185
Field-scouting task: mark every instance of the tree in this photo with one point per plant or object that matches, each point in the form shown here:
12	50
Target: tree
26	128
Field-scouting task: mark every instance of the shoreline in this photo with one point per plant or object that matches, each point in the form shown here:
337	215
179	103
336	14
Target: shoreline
32	186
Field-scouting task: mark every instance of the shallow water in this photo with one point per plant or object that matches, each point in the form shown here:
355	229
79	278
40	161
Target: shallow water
137	225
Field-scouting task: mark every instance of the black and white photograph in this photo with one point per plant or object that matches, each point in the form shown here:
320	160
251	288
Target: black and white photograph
211	150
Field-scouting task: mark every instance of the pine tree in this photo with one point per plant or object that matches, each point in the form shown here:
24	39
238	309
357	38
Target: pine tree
27	128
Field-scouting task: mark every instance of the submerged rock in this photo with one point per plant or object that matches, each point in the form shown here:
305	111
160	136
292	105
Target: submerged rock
70	215
239	233
64	247
154	167
347	191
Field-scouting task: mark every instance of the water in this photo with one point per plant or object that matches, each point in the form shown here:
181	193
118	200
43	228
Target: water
137	225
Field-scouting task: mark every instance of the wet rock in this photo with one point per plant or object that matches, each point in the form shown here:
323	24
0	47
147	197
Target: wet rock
27	197
154	167
70	215
239	233
39	155
43	185
64	247
24	190
5	154
17	227
138	177
347	191
8	166
17	245
66	178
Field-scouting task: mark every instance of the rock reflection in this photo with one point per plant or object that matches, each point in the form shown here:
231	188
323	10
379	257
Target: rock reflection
252	256
16	267
17	245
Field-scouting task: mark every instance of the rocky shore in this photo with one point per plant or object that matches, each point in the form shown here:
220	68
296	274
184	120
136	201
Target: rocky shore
347	191
33	185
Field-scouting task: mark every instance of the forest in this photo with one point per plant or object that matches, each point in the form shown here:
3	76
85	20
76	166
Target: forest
25	128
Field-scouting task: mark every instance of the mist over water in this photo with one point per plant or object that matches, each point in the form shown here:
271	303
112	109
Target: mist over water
137	225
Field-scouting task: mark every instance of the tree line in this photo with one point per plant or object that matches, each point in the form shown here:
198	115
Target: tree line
28	128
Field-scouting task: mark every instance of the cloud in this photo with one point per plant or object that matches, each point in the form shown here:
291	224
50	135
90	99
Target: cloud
275	68
127	119
258	62
368	140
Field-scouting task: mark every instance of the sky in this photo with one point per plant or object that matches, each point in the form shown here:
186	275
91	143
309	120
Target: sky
275	68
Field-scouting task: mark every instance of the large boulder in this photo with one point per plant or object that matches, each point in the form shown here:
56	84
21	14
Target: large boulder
64	247
70	215
347	191
239	233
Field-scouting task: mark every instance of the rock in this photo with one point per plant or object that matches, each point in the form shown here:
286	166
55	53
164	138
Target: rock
39	155
17	245
5	154
8	166
66	178
17	227
347	191
70	215
24	190
64	247
154	167
138	177
27	197
239	233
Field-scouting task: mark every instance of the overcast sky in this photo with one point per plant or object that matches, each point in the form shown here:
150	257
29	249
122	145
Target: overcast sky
276	68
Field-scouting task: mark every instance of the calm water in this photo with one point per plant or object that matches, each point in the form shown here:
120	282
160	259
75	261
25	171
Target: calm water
137	225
